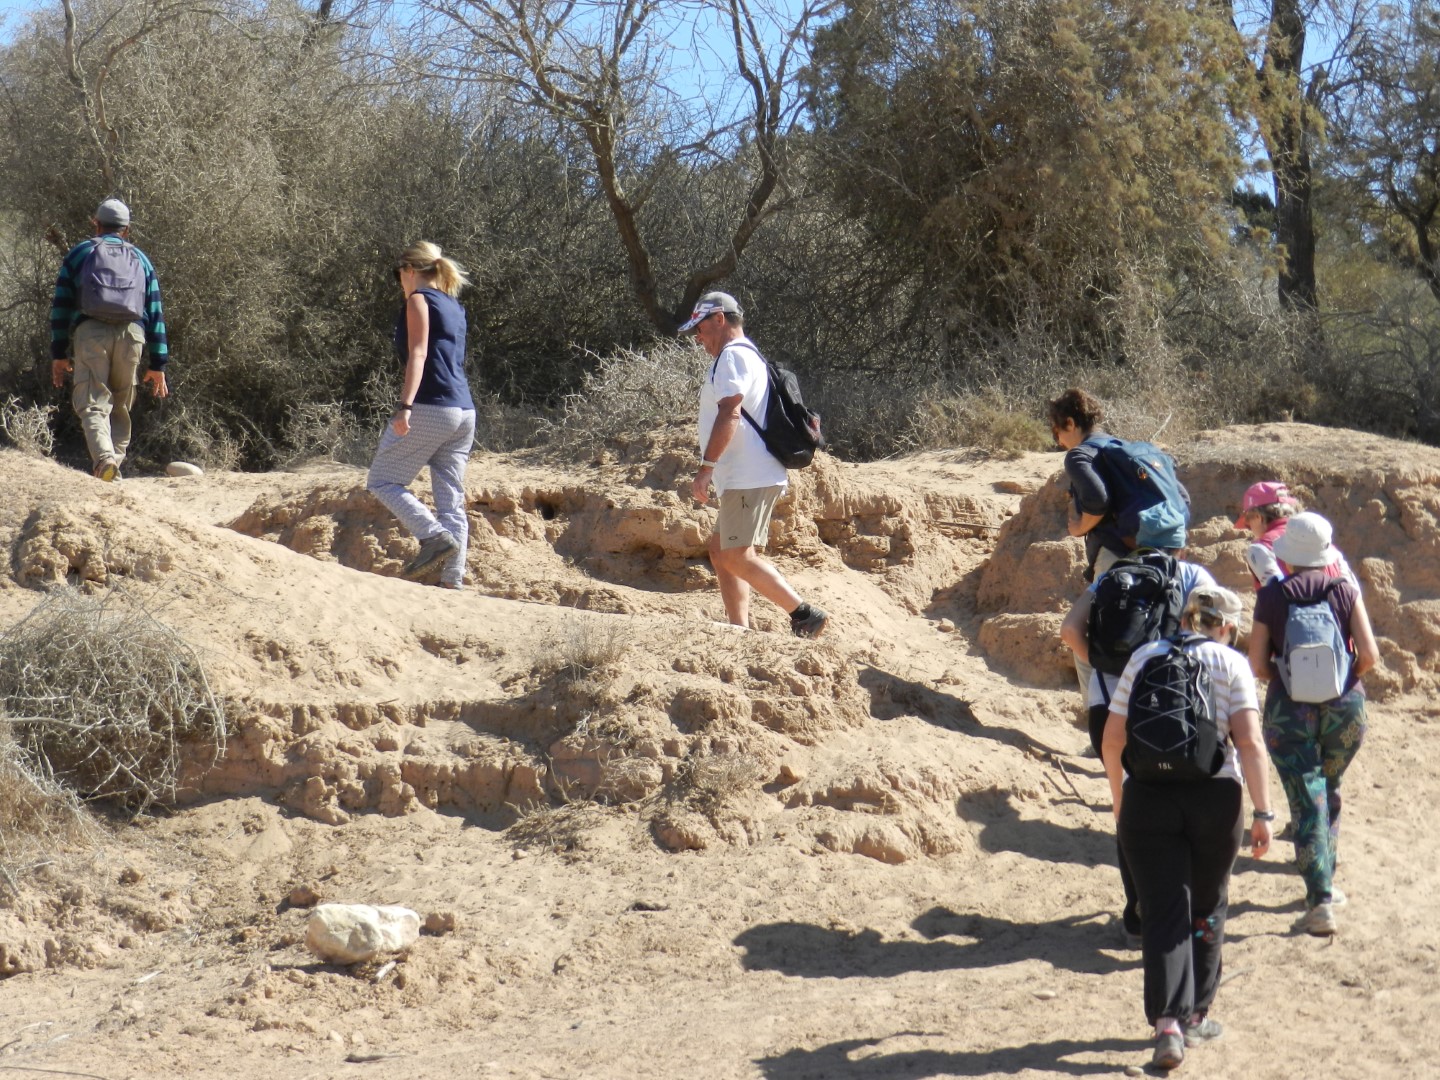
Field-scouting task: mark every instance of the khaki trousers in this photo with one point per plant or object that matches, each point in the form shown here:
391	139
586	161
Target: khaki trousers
107	360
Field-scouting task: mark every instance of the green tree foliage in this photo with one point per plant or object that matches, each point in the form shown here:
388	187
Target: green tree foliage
1027	157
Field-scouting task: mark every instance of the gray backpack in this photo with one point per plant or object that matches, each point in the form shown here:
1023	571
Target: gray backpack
1316	663
112	283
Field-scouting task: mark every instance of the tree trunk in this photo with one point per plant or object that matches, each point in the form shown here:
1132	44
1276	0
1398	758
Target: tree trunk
1287	126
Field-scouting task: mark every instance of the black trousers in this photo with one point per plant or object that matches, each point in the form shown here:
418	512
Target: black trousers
1181	841
1130	915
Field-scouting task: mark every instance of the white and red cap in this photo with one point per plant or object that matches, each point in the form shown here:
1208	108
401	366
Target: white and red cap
708	305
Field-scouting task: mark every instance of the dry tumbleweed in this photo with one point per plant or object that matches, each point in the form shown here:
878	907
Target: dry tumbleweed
102	697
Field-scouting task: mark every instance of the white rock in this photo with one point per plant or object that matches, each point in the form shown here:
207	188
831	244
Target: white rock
183	468
350	933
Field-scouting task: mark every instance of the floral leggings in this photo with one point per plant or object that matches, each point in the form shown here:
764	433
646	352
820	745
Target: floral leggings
1311	746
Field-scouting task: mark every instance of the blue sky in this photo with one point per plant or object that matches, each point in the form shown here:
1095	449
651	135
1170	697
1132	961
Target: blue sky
13	12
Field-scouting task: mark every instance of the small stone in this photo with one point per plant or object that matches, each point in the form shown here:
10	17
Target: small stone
946	626
440	922
1046	995
306	896
183	468
1134	1070
790	774
131	876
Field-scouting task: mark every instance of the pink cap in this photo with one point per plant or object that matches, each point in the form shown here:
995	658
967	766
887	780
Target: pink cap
1265	493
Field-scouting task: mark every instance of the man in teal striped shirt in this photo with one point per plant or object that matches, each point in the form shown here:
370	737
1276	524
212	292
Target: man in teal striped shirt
106	310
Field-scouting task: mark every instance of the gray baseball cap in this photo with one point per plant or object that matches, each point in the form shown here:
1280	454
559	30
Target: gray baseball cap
113	212
707	305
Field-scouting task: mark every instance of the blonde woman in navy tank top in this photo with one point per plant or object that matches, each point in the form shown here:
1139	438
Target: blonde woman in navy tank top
434	419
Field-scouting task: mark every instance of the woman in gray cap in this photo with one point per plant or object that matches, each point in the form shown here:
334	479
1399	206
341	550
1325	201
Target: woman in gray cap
1181	835
1312	640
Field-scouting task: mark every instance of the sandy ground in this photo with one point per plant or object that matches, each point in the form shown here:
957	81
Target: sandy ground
675	849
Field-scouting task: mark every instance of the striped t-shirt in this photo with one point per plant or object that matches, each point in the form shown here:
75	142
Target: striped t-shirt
1231	680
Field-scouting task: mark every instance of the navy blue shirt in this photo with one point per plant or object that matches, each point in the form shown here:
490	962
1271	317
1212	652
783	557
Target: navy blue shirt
1092	496
443	381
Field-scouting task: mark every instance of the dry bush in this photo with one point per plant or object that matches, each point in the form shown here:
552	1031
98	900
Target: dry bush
630	395
28	426
710	781
38	815
500	428
554	828
106	700
329	430
190	434
985	421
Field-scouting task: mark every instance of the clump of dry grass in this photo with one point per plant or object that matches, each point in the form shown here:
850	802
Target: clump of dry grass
554	828
104	700
585	646
28	426
709	781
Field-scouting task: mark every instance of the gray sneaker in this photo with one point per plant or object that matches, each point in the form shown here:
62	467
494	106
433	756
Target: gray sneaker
1169	1051
812	625
1202	1031
432	550
1319	921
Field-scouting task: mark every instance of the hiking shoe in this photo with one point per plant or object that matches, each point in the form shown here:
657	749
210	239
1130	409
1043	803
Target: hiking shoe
811	625
1319	921
1169	1051
1202	1031
432	550
107	469
1337	898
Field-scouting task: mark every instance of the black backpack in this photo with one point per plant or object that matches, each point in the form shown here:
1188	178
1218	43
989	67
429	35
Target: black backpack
1170	732
791	432
1138	600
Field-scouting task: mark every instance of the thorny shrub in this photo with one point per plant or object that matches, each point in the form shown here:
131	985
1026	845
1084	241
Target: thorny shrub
105	700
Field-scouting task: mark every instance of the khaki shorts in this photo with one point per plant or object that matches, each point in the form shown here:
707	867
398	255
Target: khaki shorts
745	516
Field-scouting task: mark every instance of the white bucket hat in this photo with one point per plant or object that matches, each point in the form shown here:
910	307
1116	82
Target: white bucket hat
1306	542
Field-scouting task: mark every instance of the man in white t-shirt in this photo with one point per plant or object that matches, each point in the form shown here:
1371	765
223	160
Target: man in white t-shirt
747	478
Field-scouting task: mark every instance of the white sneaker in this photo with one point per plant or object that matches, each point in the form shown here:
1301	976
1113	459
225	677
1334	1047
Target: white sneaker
1319	921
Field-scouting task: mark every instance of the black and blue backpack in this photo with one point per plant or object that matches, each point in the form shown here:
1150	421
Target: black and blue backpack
1145	494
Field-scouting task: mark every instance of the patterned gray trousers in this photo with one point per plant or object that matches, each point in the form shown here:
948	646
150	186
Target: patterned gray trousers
439	437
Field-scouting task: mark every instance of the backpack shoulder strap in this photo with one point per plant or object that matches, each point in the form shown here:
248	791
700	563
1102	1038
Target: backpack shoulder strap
769	377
